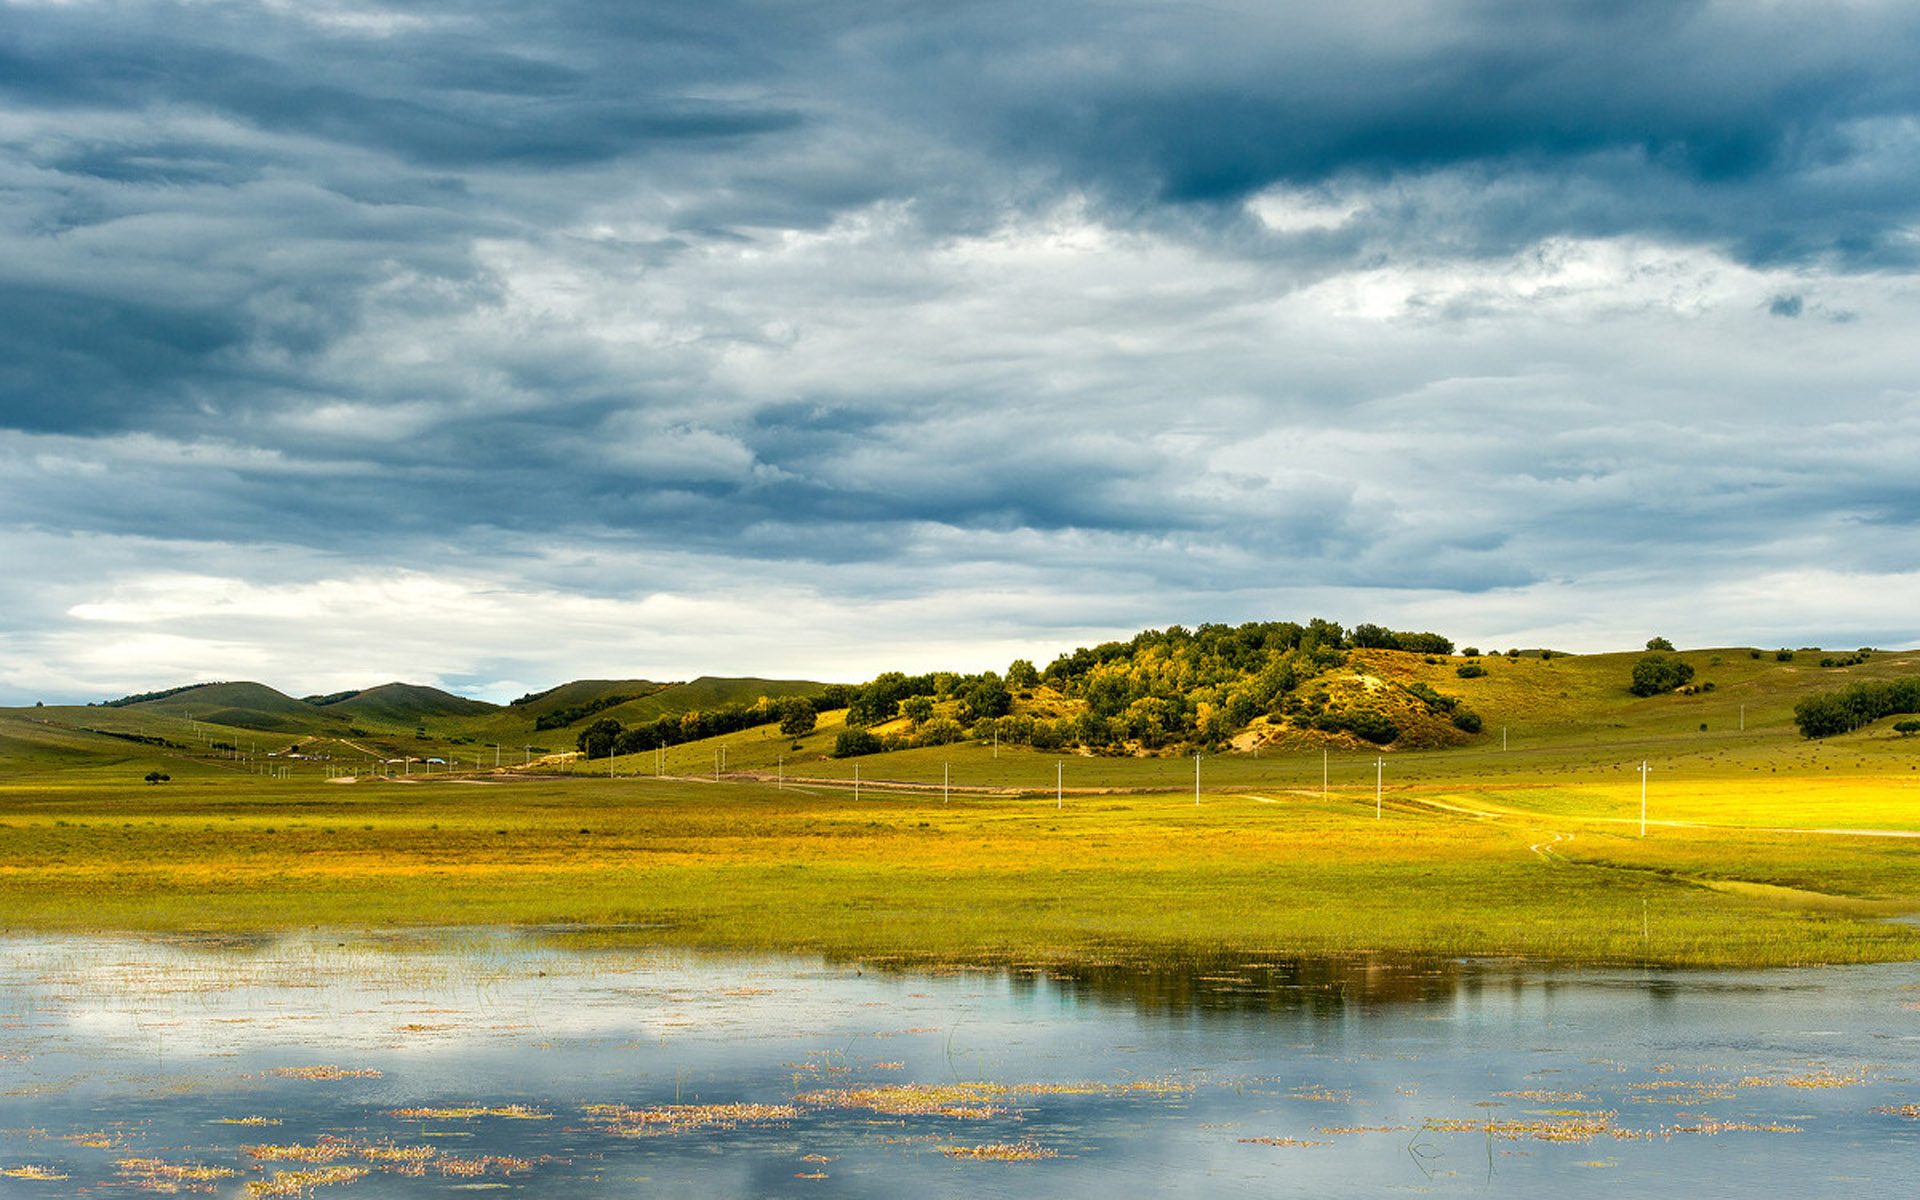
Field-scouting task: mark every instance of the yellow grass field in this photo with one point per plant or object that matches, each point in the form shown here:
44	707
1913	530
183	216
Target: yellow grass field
1556	873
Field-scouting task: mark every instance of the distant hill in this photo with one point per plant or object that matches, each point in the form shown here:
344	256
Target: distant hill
405	704
571	702
709	692
403	707
242	706
1280	684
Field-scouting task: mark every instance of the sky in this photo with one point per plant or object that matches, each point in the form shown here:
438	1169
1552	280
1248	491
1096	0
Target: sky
493	345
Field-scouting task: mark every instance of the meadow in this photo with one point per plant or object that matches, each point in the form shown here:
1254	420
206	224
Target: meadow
1761	848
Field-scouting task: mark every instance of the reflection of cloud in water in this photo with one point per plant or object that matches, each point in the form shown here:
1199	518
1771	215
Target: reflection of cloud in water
719	1075
211	997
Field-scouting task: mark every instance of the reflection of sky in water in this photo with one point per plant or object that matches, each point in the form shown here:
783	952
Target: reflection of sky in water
150	1046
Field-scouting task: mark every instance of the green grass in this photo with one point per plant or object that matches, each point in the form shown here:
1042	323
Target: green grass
751	866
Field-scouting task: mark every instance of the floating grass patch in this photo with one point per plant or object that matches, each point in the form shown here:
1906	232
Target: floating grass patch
43	1174
1583	1127
513	1112
1284	1141
1000	1152
325	1150
470	1168
299	1183
324	1073
962	1101
159	1175
626	1121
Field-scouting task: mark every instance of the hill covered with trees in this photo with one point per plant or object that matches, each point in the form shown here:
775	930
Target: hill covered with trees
1167	689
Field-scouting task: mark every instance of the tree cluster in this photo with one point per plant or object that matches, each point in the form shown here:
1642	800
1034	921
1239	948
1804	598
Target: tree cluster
882	698
141	697
1851	707
607	736
1179	685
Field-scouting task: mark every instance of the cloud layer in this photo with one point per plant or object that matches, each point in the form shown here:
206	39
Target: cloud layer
490	346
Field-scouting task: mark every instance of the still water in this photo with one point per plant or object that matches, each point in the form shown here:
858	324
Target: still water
537	1066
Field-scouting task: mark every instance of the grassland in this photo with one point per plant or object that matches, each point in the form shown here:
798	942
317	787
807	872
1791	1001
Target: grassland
1761	848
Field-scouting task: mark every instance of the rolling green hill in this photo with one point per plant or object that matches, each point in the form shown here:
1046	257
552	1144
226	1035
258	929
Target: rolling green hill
404	706
1273	688
240	706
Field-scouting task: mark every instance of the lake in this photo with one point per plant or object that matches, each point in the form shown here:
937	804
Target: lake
558	1064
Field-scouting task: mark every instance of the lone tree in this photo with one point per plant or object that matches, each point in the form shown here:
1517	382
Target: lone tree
1659	643
158	777
1658	673
797	716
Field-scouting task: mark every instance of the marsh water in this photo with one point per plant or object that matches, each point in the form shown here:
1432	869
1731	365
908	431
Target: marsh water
542	1065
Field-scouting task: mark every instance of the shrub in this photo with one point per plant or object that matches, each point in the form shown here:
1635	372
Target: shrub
941	731
1373	725
1906	728
1466	720
1753	654
1658	673
1783	655
852	743
1469	670
1470	652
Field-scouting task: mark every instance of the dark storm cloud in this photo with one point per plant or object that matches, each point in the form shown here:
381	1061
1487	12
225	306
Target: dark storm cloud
1127	298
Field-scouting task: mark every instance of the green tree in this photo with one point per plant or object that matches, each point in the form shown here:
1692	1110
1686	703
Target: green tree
1659	643
597	739
797	716
987	698
1656	673
917	709
1021	673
